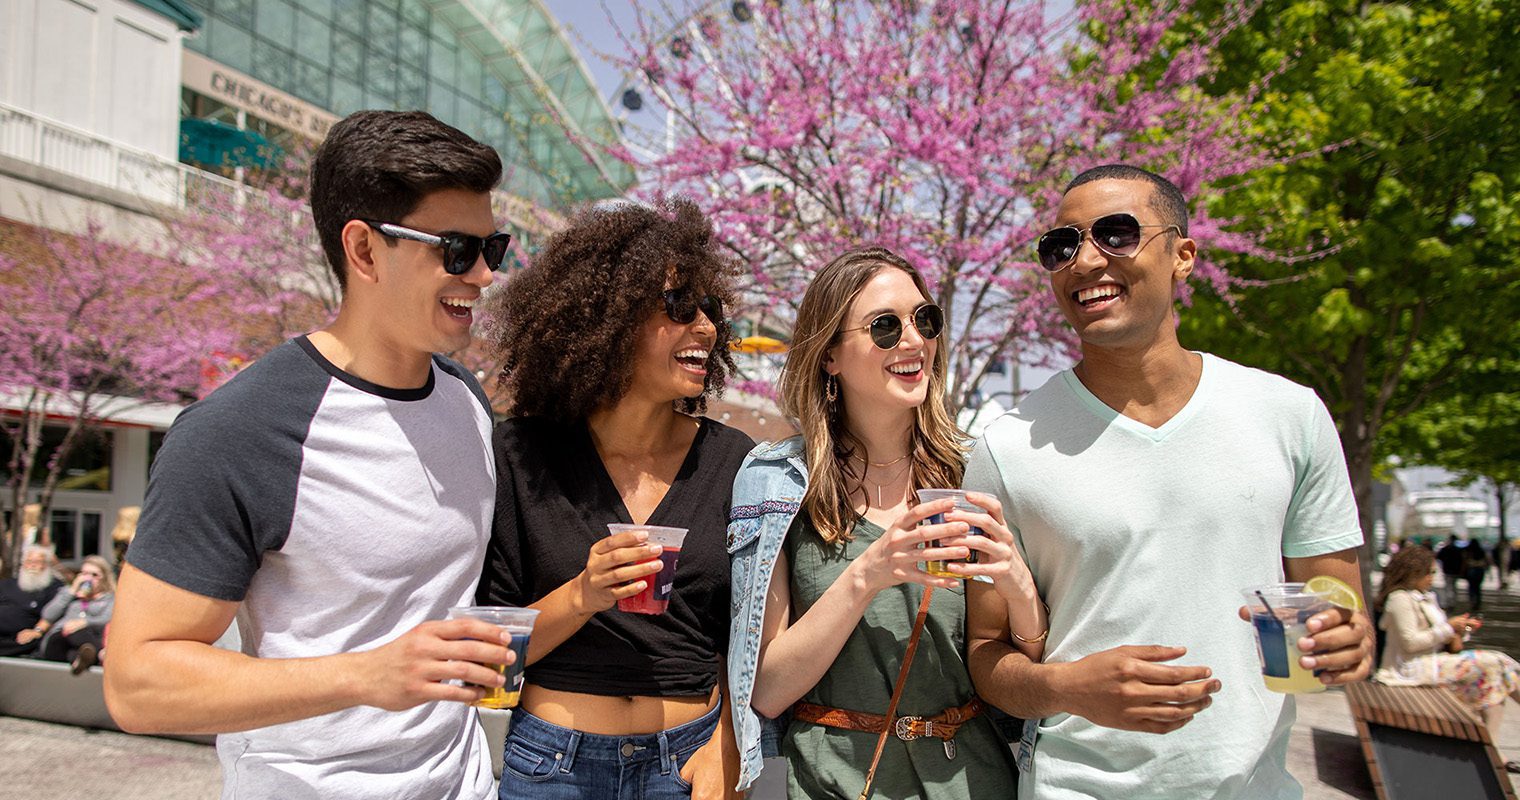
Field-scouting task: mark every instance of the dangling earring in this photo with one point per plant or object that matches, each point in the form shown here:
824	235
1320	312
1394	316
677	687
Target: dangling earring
831	390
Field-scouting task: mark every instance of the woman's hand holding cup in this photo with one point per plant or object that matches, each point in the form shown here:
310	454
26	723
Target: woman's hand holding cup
617	567
895	557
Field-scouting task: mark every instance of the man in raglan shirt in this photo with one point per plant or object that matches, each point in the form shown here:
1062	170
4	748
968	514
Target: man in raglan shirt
1146	487
335	498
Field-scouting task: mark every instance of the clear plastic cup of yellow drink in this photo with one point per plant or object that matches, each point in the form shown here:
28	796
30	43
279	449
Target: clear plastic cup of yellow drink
961	504
519	623
1280	613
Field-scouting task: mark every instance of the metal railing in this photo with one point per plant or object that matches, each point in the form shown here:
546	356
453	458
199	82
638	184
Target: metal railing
63	148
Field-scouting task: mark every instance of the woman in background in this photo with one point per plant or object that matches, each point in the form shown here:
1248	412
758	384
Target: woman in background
1425	647
73	624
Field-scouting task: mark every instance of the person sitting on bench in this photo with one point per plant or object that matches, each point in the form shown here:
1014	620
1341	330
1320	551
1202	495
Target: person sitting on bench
1424	646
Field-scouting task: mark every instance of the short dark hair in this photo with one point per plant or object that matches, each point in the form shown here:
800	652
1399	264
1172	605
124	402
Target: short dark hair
567	325
1166	198
380	164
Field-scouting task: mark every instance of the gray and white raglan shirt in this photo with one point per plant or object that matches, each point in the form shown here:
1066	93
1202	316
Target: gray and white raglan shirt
340	514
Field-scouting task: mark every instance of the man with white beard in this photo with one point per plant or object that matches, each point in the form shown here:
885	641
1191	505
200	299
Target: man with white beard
22	599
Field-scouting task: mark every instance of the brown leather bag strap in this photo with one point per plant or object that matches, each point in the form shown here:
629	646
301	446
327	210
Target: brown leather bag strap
902	680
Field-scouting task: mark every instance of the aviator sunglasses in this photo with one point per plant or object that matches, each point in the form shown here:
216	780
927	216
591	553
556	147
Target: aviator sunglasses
681	306
459	249
1117	235
887	329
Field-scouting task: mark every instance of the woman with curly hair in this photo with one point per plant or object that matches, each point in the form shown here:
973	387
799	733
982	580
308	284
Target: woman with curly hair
612	340
830	602
1424	646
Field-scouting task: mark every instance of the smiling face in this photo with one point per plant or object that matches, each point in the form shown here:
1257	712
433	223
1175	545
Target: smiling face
868	375
419	307
670	359
1121	302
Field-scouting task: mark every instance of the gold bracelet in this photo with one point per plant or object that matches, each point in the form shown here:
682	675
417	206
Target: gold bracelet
1041	637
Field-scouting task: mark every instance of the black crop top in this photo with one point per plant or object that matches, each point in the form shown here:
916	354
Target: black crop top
554	500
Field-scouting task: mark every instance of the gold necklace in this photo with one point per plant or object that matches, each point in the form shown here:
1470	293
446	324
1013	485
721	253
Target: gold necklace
883	464
880	484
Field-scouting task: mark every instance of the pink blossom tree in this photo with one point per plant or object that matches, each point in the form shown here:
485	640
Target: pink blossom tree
944	130
91	327
261	238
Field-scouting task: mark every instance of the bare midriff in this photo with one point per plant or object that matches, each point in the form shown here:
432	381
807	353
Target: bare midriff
613	715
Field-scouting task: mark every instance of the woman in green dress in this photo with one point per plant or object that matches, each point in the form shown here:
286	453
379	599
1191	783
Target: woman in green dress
827	551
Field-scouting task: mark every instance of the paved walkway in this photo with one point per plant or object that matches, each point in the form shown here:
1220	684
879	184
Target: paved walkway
41	761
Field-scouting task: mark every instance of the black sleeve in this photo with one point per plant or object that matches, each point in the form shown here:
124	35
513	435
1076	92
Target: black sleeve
222	489
502	580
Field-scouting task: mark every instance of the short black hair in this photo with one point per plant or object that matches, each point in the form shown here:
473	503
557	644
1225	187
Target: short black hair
567	325
380	164
1166	198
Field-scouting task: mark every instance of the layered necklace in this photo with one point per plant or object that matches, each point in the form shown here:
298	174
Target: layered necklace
882	465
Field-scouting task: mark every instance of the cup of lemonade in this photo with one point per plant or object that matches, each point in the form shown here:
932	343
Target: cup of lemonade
1280	613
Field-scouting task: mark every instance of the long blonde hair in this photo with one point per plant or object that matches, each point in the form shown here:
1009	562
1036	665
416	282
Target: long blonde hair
937	446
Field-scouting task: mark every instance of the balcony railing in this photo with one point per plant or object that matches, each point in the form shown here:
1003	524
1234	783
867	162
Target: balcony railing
72	151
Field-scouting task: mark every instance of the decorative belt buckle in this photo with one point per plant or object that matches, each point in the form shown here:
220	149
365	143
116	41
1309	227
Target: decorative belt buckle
903	729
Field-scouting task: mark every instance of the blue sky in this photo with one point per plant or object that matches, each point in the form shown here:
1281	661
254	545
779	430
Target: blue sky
591	25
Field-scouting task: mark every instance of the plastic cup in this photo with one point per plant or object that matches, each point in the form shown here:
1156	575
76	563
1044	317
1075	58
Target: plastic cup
658	587
519	623
937	568
1278	632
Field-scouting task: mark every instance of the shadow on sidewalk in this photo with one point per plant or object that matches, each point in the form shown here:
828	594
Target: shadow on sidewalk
1338	764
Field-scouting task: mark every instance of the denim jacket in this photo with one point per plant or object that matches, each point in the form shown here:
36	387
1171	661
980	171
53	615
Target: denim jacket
767	495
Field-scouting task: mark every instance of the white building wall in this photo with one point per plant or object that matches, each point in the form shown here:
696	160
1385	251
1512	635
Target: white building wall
107	67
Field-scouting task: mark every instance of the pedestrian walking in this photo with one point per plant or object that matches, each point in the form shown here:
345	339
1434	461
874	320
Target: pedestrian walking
1450	558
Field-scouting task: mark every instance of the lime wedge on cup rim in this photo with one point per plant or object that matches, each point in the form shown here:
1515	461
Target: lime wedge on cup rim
1335	591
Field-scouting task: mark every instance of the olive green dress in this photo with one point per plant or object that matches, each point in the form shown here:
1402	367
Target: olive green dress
829	762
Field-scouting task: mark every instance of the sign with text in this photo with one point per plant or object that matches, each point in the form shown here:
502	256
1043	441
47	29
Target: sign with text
229	86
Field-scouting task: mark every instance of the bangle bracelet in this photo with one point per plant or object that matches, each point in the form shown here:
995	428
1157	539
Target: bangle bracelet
1035	640
1043	634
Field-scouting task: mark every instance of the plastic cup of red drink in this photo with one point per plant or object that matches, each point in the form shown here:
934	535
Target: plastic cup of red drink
658	587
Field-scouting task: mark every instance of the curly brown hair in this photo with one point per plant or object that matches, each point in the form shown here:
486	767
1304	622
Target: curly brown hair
567	325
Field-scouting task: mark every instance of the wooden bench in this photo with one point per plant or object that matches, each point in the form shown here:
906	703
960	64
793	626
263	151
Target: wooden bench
1424	742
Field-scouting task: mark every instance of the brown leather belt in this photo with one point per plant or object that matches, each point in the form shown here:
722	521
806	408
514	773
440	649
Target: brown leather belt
942	725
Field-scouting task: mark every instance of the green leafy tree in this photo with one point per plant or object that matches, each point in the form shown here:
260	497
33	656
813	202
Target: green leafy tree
1397	264
1473	432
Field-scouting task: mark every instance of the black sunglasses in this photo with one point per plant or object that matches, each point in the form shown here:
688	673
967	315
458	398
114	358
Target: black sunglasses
1117	235
887	329
459	249
681	306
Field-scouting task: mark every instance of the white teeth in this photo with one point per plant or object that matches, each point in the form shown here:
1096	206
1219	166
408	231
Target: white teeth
906	367
1096	292
459	302
693	353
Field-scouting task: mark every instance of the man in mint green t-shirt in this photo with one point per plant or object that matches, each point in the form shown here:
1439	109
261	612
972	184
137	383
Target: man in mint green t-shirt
1146	487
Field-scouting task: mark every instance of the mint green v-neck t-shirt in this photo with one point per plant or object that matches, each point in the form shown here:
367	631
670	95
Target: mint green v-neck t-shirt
1140	535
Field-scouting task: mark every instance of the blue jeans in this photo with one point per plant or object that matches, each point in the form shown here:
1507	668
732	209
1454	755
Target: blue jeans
546	761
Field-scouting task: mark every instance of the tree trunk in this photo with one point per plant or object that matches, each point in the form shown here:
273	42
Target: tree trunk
56	464
24	448
1357	433
1359	465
